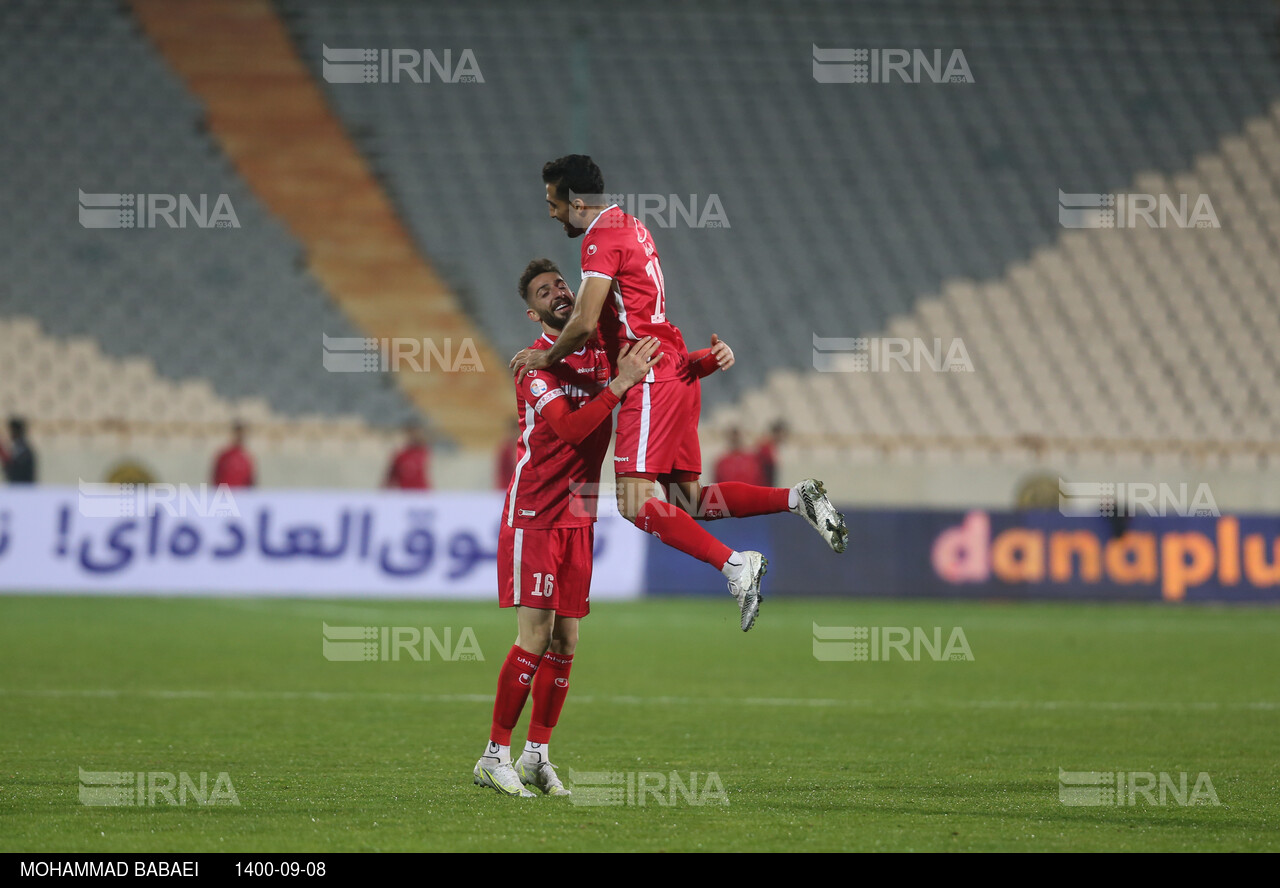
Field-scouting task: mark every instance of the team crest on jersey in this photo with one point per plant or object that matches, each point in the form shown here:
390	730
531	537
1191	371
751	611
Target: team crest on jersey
538	388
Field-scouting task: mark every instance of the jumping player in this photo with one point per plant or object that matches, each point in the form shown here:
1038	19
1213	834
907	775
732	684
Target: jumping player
657	456
545	545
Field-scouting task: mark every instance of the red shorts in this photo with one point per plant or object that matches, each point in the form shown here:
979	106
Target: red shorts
547	568
658	429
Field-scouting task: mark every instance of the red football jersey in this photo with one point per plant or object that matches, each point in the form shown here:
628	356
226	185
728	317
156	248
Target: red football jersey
549	469
408	469
233	467
617	246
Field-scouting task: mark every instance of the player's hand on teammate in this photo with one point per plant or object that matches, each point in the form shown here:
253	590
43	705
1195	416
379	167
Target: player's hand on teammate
528	360
721	352
635	361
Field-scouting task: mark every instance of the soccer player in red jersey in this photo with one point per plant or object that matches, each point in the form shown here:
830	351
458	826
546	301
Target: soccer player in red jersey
546	541
234	466
657	456
409	466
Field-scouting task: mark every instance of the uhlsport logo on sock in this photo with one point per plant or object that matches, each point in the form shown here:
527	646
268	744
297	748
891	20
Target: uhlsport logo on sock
366	644
1088	789
883	65
150	788
856	644
371	65
1126	210
147	210
644	788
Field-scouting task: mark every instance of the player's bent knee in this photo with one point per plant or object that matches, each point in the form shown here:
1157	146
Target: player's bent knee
633	493
535	629
565	637
564	647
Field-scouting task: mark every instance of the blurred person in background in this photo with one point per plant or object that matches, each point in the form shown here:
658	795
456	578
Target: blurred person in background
234	466
18	458
505	465
767	452
738	463
411	463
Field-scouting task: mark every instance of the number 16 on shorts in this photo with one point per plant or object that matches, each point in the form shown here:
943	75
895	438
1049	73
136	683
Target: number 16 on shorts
547	568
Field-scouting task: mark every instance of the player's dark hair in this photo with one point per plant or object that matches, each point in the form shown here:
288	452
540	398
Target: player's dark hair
17	428
573	174
531	271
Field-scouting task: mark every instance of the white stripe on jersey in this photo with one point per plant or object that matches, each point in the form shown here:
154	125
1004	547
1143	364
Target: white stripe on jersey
519	549
622	312
529	417
643	447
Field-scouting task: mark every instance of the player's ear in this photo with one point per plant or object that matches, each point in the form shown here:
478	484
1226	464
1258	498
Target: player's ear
531	314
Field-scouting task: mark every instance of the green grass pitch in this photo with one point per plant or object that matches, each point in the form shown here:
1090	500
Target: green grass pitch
812	755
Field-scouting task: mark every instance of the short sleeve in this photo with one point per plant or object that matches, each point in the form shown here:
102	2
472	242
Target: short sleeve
602	253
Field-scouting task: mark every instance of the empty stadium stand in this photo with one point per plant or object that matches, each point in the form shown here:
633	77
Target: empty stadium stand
849	205
91	108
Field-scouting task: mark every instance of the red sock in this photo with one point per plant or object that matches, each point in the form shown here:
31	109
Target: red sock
733	499
514	681
550	687
674	527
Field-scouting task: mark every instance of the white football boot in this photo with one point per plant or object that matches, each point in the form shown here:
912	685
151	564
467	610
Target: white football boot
813	506
500	776
746	588
542	775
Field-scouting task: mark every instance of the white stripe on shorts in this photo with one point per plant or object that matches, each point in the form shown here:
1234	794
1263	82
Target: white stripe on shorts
644	431
519	544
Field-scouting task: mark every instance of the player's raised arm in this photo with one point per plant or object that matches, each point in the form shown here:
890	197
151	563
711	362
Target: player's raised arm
706	361
634	363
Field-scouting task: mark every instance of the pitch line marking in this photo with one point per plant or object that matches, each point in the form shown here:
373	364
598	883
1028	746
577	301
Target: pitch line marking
630	700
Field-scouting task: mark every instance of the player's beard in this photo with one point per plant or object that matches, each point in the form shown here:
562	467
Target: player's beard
553	320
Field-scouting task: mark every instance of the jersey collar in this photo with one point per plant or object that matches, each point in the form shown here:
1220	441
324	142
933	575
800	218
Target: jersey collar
598	218
550	341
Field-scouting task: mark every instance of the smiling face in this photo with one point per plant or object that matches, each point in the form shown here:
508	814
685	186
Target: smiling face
549	300
572	215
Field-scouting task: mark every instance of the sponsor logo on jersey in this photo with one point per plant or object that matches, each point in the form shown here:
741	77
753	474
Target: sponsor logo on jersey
622	459
538	388
591	250
527	513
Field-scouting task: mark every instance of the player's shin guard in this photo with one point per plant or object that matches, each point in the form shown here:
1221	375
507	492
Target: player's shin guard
733	499
550	687
675	528
515	679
